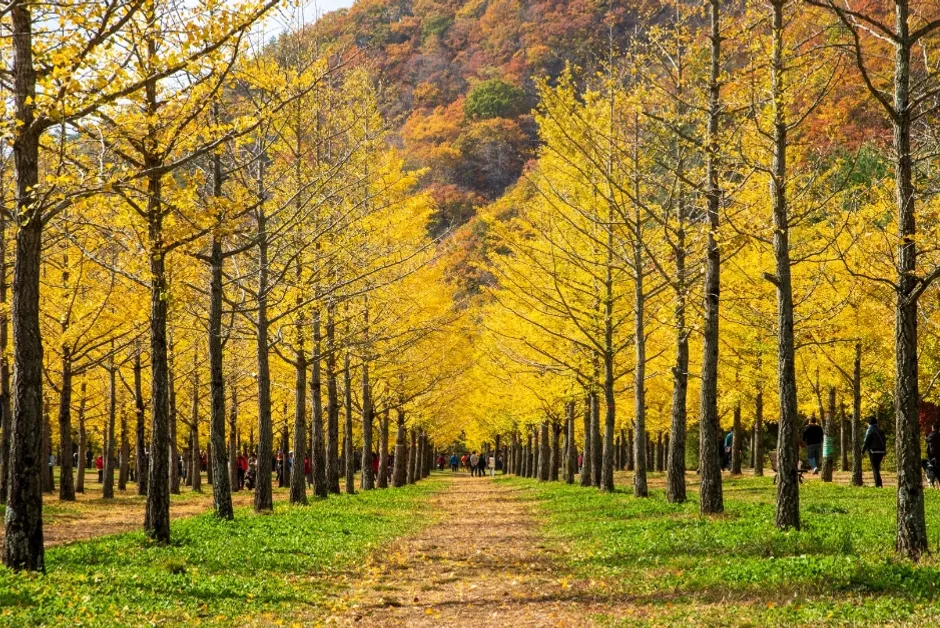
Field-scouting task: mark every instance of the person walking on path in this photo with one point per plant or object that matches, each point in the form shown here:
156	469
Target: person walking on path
454	461
813	437
440	462
876	447
474	462
99	464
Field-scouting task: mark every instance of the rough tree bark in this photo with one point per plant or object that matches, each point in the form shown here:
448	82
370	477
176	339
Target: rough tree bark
368	479
263	501
23	539
66	481
6	410
171	429
412	452
400	473
82	436
857	416
587	457
571	448
544	452
911	522
349	451
332	404
788	490
140	449
759	433
382	480
298	479
232	439
737	441
221	487
597	444
711	500
830	429
317	446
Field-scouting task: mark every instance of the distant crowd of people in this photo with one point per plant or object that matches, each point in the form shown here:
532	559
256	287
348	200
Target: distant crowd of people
477	464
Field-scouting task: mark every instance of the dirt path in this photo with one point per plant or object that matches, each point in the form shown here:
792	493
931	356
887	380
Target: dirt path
482	559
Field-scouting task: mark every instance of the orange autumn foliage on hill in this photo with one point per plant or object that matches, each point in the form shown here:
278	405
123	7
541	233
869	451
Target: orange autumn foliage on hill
432	54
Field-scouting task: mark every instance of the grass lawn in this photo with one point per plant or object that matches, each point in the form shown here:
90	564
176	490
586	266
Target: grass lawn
258	568
668	564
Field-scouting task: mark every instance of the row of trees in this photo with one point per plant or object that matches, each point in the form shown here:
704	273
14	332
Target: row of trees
195	215
700	215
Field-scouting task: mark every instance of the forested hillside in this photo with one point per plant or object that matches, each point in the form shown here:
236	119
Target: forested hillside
459	83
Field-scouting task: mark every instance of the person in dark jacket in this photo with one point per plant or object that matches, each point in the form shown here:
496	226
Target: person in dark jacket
932	464
813	437
876	446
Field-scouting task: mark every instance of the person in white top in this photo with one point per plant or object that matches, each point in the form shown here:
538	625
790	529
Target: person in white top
491	464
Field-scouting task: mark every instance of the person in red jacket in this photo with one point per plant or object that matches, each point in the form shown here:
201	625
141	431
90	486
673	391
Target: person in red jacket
308	472
99	464
242	470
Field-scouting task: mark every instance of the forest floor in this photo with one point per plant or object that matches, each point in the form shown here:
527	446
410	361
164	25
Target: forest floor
91	516
665	564
482	561
258	570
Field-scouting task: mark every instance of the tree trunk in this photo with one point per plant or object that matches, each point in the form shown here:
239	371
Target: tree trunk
711	500
264	500
587	459
298	476
788	490
157	483
759	433
400	474
830	427
317	446
844	436
232	442
48	479
737	441
349	452
629	450
332	404
368	479
6	411
171	430
597	443
23	539
857	417
221	486
125	453
640	488
412	453
571	459
911	523
283	480
382	480
66	481
82	435
544	452
196	453
140	447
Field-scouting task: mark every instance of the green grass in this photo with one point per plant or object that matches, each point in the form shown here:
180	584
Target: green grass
257	568
666	563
